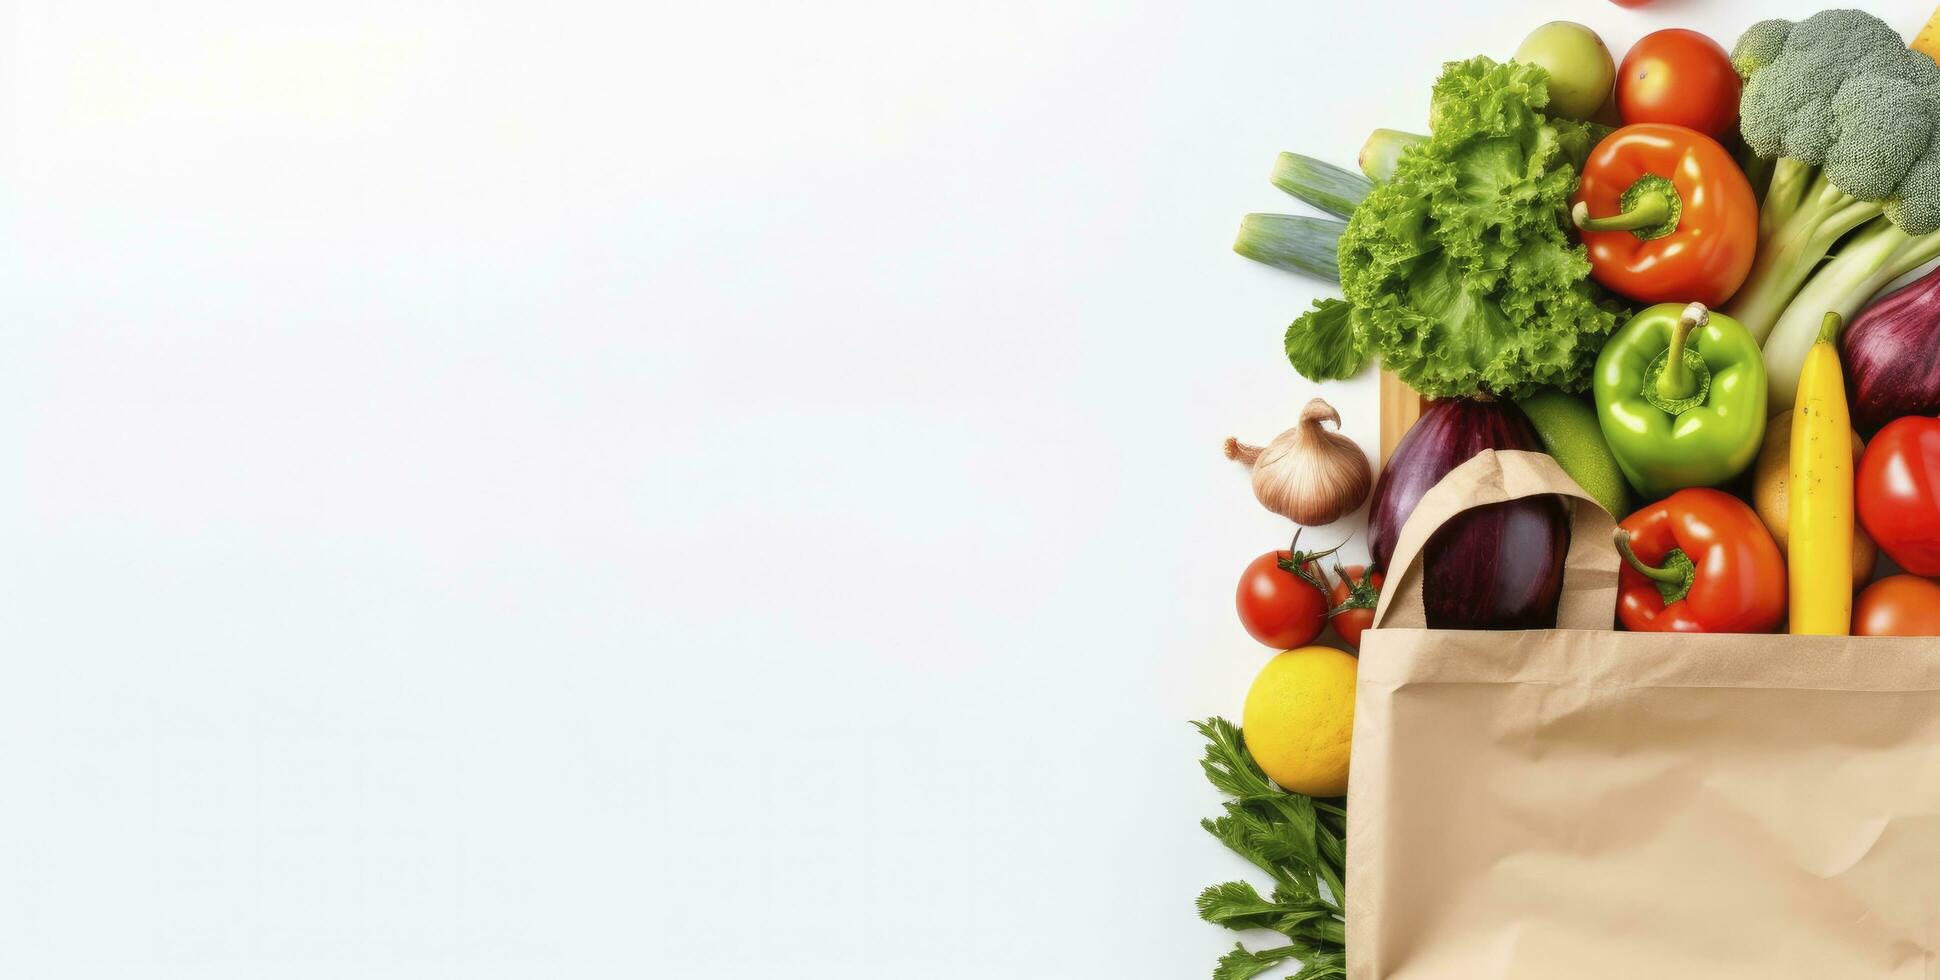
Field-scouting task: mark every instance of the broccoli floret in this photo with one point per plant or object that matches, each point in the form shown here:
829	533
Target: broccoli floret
1851	118
1848	113
1759	45
1882	128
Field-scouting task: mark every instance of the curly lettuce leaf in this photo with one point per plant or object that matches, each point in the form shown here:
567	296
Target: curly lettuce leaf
1323	343
1459	272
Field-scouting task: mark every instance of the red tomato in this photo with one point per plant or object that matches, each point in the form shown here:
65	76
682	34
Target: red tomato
1679	77
1897	491
1355	596
1279	607
1630	3
1898	605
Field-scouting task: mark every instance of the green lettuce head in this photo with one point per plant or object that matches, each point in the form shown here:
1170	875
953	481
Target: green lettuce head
1459	273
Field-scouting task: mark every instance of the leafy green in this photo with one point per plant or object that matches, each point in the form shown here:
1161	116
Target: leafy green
1322	345
1459	272
1299	841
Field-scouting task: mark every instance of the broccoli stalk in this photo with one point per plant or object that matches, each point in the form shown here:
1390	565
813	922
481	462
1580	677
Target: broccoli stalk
1803	217
1850	118
1875	256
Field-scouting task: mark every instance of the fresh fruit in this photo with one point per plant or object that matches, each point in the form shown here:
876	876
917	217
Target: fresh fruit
1355	597
1569	431
1579	66
1769	493
1282	597
1299	719
1898	605
1822	524
1631	3
1682	78
1898	487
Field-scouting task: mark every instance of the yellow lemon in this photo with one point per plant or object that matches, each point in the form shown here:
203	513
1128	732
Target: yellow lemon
1299	719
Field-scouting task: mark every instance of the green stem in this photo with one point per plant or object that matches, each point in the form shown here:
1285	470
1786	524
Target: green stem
1648	211
1829	328
1676	382
1651	209
1864	264
1804	216
1673	579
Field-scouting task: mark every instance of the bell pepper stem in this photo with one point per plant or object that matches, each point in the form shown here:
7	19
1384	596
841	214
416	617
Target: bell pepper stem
1647	211
1630	558
1676	381
1673	579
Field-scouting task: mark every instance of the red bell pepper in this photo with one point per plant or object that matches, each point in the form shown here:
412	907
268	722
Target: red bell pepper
1699	561
1667	216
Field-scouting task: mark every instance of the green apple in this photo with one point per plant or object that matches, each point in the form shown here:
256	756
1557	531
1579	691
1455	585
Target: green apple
1580	68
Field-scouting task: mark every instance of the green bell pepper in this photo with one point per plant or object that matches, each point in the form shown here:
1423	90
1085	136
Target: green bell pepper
1680	394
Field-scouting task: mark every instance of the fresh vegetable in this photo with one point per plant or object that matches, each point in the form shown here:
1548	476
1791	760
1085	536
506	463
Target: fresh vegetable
1680	392
1297	840
1899	493
1494	567
1381	154
1569	430
1667	216
1822	494
1292	242
1282	597
1356	594
1323	344
1631	3
1898	605
1771	495
1299	719
1847	113
1322	185
1579	66
1892	356
1457	270
1682	78
1699	561
1308	474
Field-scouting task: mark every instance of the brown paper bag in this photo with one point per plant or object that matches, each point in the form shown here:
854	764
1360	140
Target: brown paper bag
1583	803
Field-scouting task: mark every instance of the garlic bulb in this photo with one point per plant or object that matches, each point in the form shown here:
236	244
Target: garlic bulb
1308	474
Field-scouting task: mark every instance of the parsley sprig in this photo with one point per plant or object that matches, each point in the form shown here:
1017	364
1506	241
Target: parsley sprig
1300	842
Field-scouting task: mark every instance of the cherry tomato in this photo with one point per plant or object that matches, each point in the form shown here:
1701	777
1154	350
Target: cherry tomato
1682	78
1282	602
1630	3
1355	596
1897	490
1898	605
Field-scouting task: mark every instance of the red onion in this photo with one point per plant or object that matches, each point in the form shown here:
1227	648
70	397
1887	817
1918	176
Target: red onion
1892	356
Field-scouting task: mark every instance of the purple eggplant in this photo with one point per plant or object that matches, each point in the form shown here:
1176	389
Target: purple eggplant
1497	567
1892	356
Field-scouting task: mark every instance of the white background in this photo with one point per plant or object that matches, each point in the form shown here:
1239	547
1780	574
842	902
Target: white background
728	490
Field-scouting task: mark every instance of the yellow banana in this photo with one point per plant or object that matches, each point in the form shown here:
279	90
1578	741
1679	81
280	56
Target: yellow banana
1820	559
